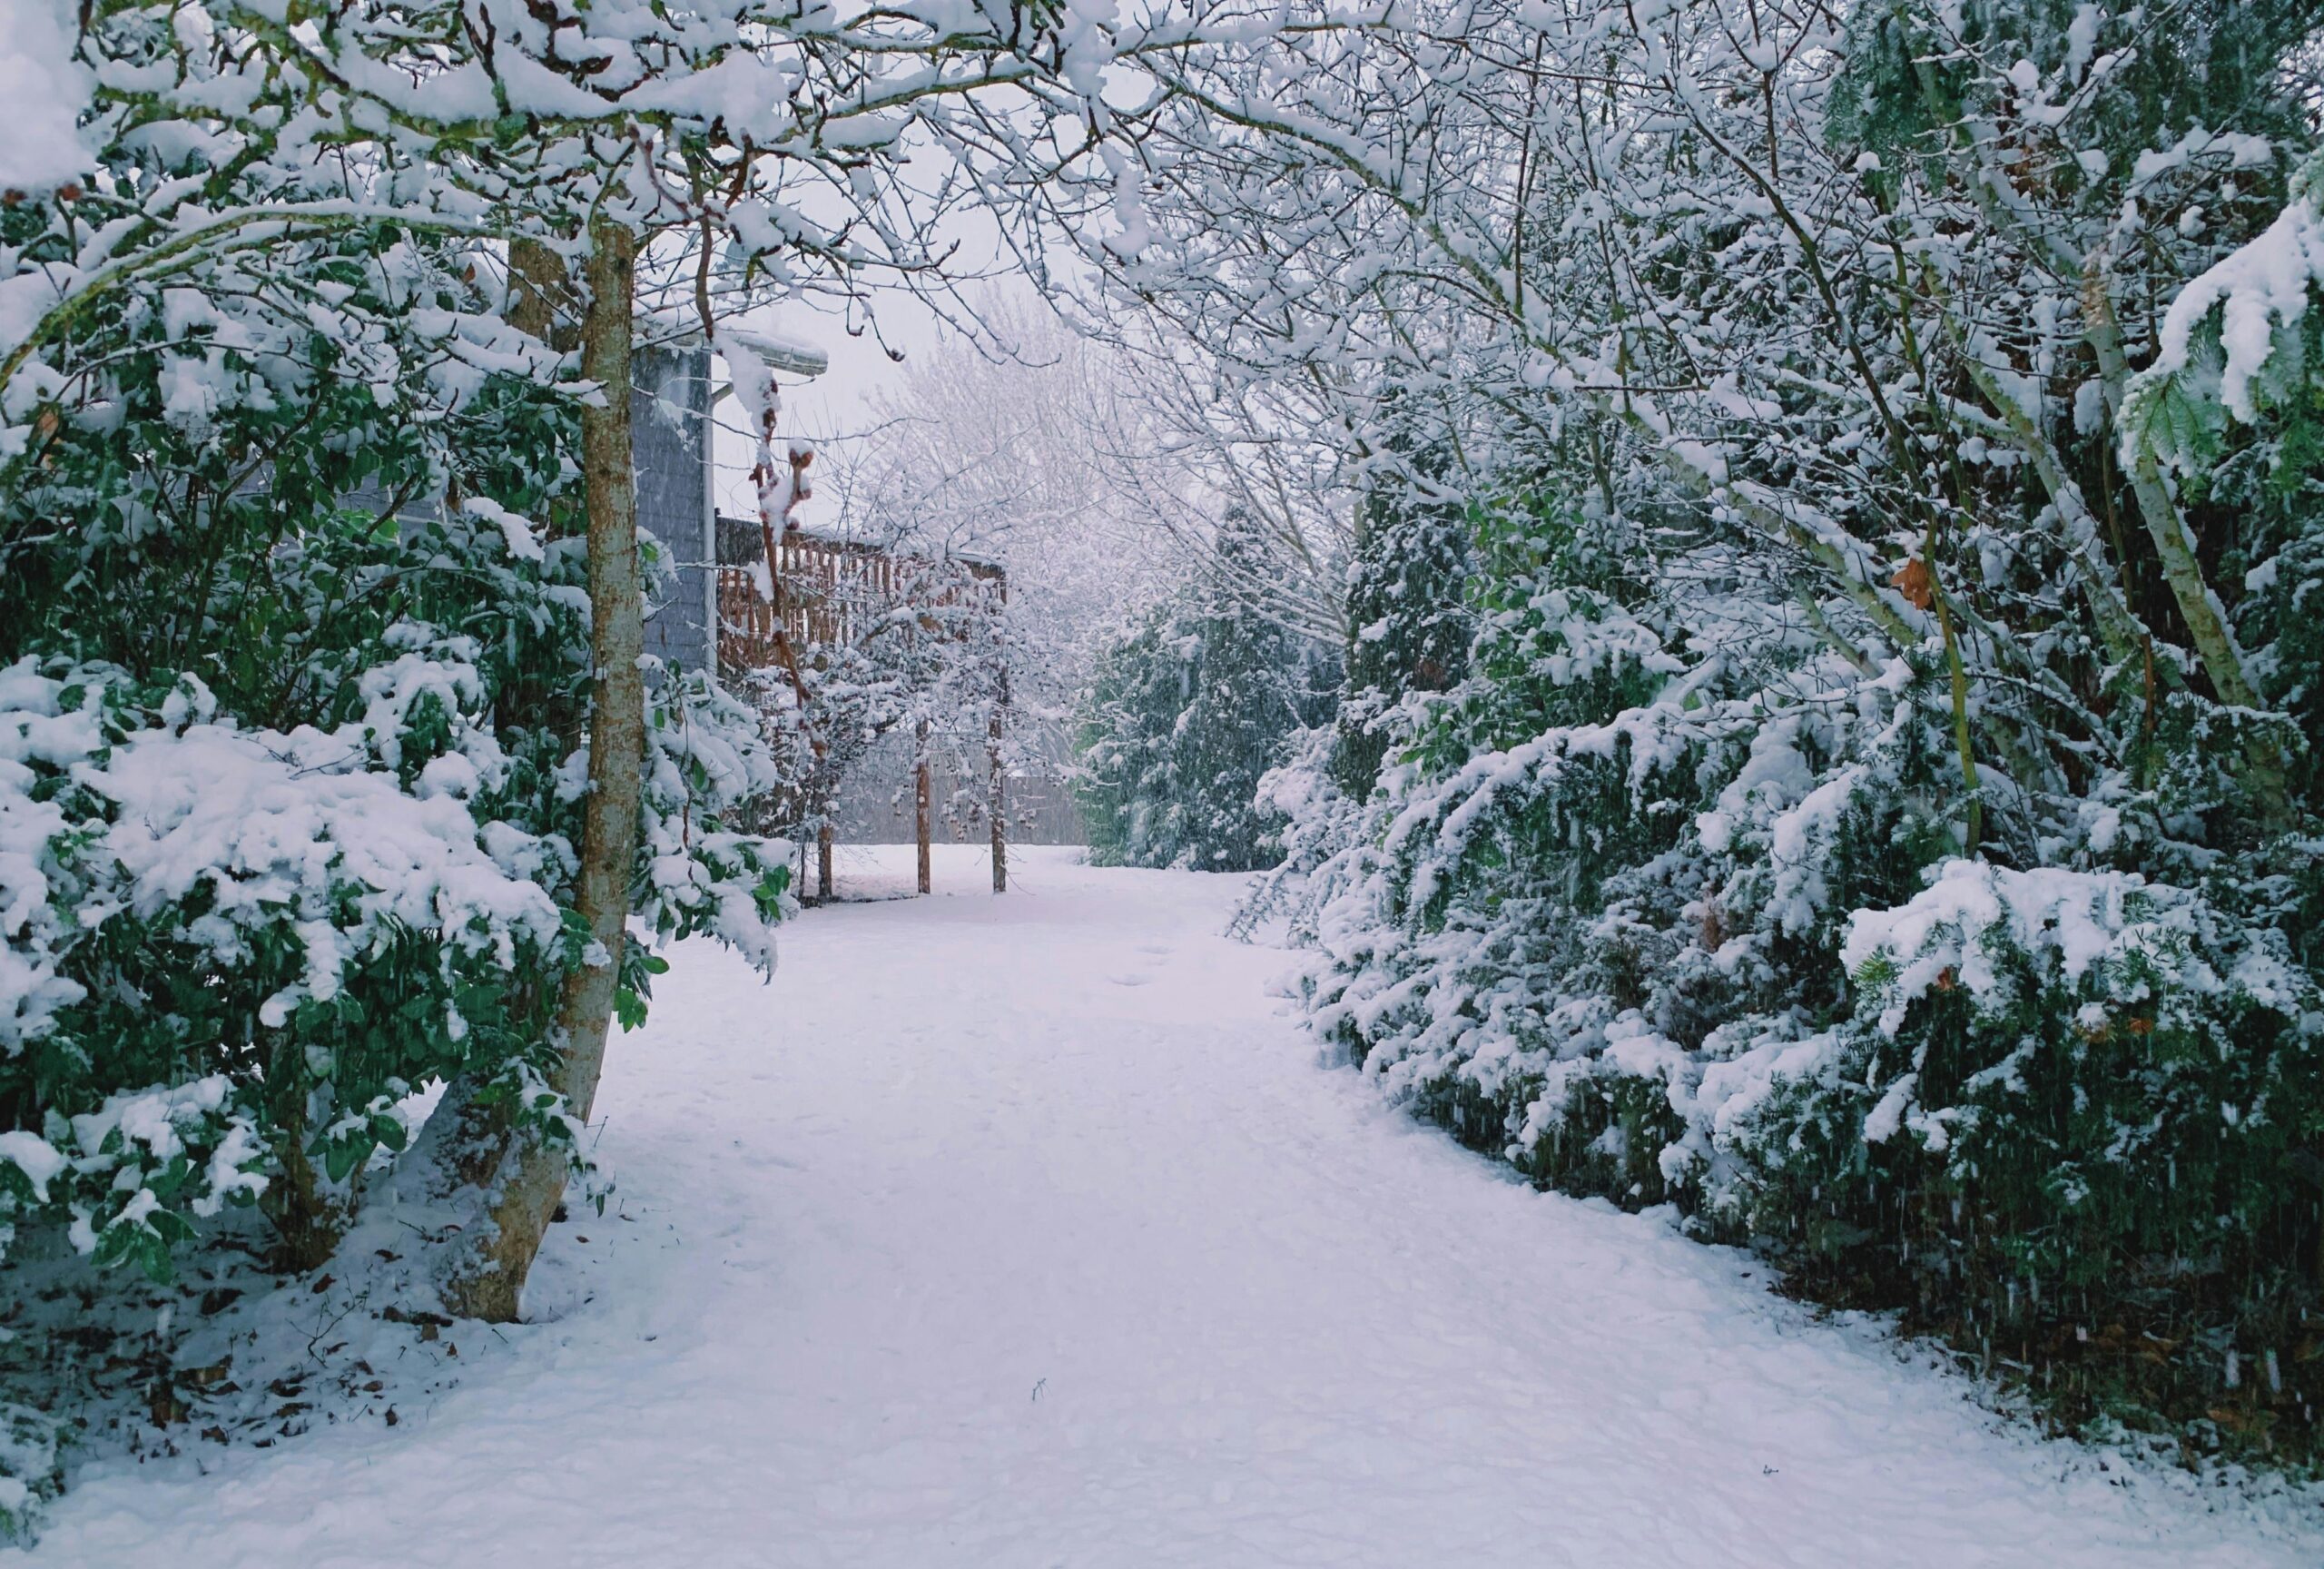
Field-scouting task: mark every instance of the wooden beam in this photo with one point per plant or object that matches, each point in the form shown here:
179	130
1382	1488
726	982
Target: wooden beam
997	807
920	788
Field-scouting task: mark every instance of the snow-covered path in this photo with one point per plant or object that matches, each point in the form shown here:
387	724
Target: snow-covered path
1023	1232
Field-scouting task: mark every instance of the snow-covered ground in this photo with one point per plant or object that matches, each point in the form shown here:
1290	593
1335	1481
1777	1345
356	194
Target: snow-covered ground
1024	1232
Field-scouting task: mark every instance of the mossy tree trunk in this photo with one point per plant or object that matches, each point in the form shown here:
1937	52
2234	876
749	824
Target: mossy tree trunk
521	1177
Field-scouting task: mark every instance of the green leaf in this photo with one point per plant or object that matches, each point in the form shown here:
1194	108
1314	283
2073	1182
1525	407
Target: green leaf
114	1244
344	1155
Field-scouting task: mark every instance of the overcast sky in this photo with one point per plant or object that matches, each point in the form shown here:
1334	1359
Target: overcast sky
841	403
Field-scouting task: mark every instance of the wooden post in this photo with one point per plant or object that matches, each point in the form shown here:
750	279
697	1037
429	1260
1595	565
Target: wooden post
823	856
997	807
920	788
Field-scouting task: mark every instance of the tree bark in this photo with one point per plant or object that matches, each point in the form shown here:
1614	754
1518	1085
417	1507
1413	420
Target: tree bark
526	1182
2215	643
309	1215
540	295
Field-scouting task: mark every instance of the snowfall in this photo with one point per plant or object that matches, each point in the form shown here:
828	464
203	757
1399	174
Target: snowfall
1032	1231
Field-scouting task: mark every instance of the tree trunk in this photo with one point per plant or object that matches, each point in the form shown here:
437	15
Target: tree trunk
523	1184
540	295
2207	628
309	1215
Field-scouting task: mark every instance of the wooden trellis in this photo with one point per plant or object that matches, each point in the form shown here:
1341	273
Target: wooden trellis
836	592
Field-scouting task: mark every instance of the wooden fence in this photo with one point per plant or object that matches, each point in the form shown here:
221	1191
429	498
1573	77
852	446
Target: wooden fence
836	593
833	591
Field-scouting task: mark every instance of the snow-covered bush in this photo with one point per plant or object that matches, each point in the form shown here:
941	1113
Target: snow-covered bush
290	753
29	1472
1663	903
1858	538
2238	340
2055	1087
365	931
1408	627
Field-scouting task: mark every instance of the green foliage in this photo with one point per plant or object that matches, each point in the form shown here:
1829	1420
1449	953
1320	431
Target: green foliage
1187	714
1911	79
1627	928
1408	628
290	750
2052	1136
30	1473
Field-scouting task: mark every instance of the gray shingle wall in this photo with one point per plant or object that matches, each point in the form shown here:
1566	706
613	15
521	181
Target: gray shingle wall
668	415
668	411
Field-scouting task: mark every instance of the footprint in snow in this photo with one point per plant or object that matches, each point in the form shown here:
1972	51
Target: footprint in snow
1129	980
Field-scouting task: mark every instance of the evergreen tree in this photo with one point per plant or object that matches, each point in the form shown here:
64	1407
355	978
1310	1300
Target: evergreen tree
1408	628
1185	714
1878	814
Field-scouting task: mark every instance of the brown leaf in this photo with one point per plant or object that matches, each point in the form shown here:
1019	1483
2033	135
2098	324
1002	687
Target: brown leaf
203	1378
1714	930
395	1314
1917	583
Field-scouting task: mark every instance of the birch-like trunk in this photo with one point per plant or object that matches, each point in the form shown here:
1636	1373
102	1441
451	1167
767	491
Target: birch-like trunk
522	1180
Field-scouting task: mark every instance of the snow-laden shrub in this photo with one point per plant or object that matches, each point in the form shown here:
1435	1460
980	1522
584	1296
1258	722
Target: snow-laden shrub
2053	1083
1409	630
30	1475
162	851
2239	339
1666	901
294	671
707	761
